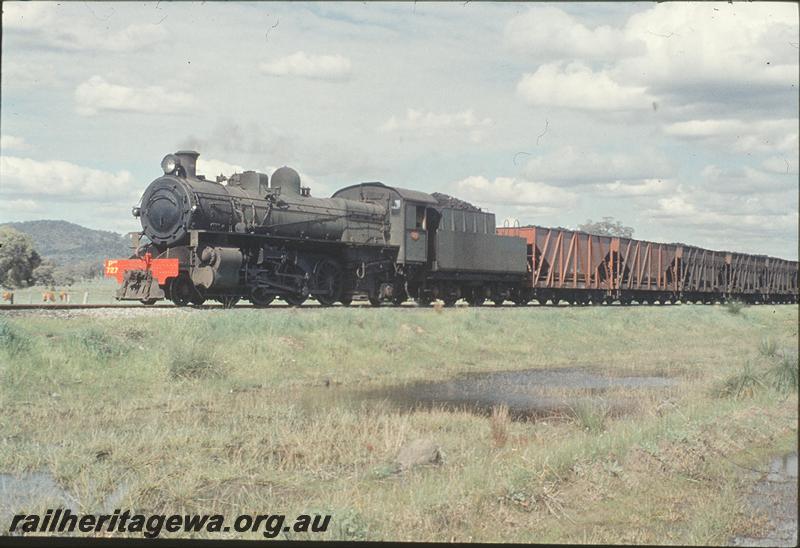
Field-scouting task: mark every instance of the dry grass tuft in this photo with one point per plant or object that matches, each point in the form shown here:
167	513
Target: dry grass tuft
499	423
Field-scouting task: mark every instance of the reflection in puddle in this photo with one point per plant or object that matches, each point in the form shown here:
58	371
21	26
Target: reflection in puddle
33	491
530	393
775	496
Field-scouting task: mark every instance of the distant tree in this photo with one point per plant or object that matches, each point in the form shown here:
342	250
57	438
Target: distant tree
45	273
63	276
18	259
607	227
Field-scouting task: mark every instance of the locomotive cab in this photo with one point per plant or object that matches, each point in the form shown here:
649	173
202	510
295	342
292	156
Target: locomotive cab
413	215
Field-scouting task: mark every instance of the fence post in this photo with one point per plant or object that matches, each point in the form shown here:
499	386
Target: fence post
85	297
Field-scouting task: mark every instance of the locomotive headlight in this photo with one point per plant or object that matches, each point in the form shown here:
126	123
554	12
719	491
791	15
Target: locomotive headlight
169	164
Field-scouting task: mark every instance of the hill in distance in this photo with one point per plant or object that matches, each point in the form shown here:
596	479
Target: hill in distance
68	244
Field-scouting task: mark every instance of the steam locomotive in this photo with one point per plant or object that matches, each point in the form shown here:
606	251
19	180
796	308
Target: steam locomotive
258	237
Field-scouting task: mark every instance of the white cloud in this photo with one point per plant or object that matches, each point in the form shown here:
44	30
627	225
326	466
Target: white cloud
13	142
785	165
647	187
41	25
733	213
211	168
322	67
25	178
512	191
571	166
26	15
432	123
745	180
96	94
740	135
696	47
546	32
577	86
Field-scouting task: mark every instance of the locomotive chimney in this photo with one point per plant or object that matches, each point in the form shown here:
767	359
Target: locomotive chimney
188	159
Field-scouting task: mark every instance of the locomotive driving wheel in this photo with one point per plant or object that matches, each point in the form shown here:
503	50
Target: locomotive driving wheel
327	282
181	290
260	297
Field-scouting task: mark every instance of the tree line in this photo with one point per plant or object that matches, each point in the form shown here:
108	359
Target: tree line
21	265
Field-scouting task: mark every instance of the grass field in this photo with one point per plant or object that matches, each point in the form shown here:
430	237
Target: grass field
248	411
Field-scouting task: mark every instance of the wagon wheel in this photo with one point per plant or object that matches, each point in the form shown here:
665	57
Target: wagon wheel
346	301
423	300
148	302
475	298
555	301
181	290
228	301
498	301
374	300
260	297
449	300
327	279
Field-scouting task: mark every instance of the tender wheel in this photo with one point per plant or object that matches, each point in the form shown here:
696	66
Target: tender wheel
498	301
261	298
346	301
148	302
228	302
449	300
294	300
374	301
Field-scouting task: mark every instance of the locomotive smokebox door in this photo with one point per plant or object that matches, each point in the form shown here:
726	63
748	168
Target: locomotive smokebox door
416	239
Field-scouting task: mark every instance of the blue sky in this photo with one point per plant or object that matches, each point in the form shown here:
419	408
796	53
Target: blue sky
681	120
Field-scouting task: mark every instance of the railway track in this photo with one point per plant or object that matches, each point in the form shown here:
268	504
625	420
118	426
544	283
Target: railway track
365	305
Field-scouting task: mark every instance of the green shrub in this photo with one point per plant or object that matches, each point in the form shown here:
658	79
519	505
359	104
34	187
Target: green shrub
734	307
12	340
768	347
100	344
783	376
590	416
743	384
193	361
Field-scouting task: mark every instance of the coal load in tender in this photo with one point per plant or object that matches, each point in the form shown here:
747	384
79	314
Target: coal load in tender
445	200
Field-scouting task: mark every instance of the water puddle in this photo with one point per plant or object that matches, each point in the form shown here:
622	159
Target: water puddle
34	491
775	496
527	394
